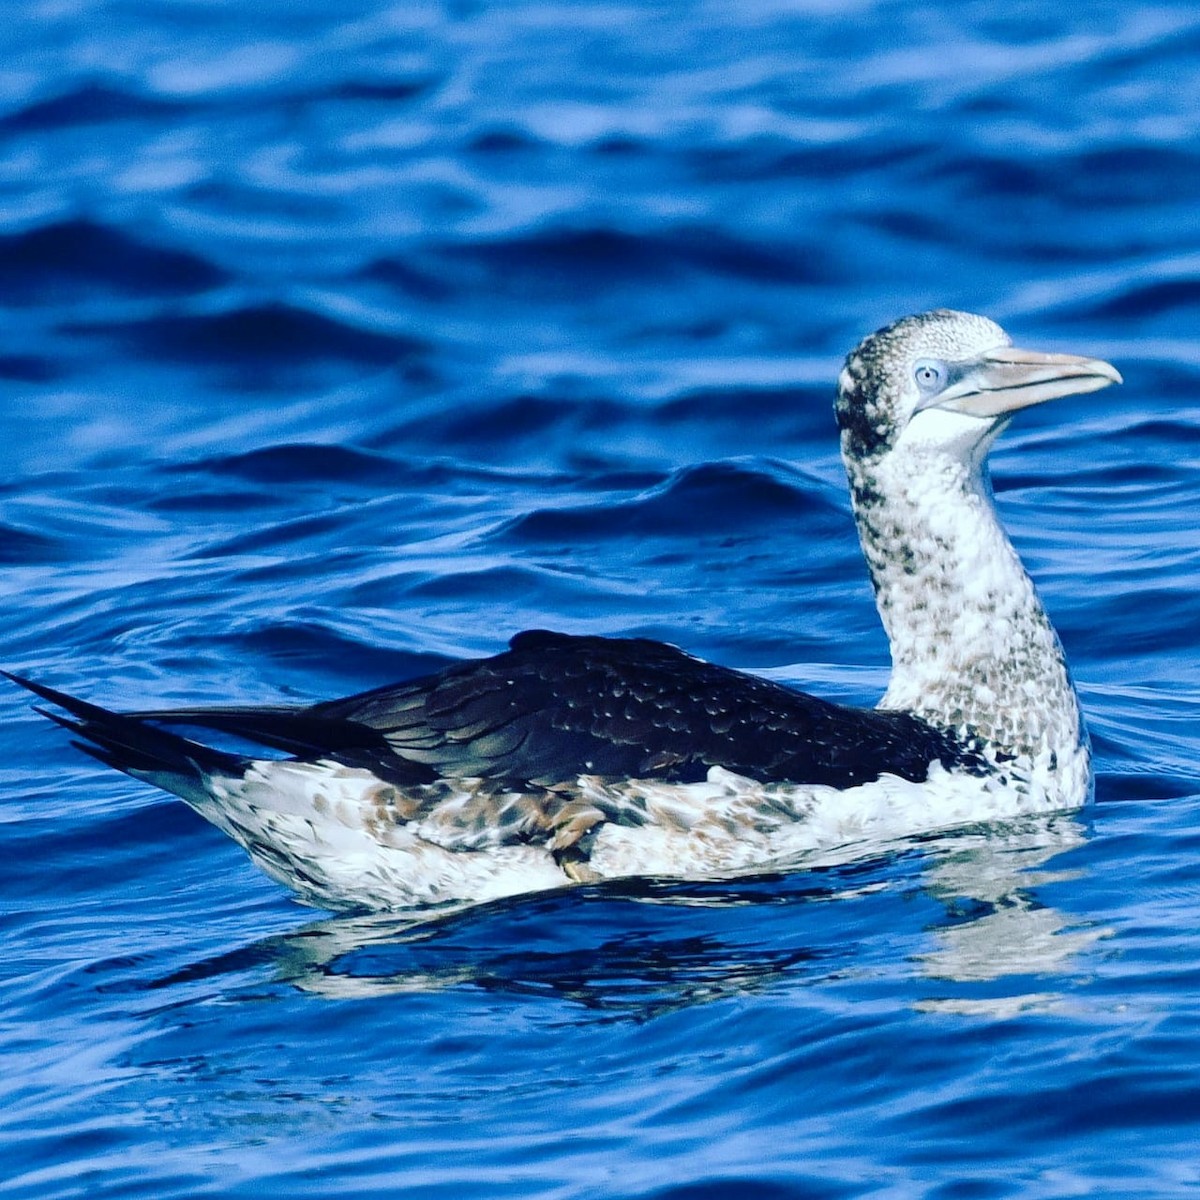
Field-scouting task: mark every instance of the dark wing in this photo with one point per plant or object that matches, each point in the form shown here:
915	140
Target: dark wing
554	706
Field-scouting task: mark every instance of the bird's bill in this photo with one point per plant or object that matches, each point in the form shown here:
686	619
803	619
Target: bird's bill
1006	379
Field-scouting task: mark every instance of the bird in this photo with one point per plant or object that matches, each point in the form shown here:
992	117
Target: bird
572	759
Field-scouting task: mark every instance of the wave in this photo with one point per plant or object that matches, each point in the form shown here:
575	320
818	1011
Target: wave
271	334
66	259
714	497
568	258
25	546
295	462
87	104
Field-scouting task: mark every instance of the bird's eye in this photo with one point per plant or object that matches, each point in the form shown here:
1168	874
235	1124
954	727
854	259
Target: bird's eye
930	374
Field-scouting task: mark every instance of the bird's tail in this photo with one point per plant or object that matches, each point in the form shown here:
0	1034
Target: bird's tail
133	745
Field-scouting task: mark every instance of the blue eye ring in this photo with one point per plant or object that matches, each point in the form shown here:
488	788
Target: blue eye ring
930	374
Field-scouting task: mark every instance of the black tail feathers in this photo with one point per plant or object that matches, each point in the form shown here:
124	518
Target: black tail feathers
130	743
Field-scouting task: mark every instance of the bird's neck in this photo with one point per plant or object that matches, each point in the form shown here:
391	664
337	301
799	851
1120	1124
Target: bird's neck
972	647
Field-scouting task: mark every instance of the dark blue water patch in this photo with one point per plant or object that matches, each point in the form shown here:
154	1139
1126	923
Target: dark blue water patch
1176	298
971	1189
715	497
1087	486
424	283
1027	26
1149	782
1141	751
1120	1098
785	416
907	224
1115	176
327	654
272	339
1149	437
498	588
996	179
68	260
815	164
1042	193
388	90
88	103
565	261
1171	56
510	582
277	536
577	428
376	465
510	141
297	462
609	481
19	546
499	422
804	1186
1125	626
237	202
45	521
215	500
31	368
1174	387
236	962
93	1149
80	855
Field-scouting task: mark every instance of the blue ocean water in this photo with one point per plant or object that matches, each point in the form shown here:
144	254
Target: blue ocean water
342	341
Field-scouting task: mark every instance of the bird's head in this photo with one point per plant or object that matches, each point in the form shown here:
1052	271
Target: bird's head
948	381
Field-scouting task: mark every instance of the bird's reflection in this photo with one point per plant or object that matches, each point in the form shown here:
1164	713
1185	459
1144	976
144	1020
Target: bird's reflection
580	947
997	927
627	949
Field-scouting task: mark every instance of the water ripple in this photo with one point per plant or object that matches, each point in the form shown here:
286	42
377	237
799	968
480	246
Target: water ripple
339	344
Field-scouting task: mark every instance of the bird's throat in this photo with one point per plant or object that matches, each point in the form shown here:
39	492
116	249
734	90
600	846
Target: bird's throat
972	647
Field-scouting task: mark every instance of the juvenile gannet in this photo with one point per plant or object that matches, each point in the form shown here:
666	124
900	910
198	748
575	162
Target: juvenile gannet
572	759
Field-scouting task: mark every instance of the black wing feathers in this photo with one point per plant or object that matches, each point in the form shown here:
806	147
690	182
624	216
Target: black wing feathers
554	706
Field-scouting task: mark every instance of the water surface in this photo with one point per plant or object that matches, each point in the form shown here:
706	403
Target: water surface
340	342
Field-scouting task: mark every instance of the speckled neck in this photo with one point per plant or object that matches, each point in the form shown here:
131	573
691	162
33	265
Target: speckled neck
972	647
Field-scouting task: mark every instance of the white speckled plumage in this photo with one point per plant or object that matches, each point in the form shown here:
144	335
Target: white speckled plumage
972	646
483	782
